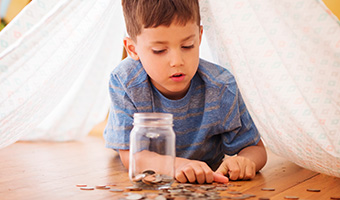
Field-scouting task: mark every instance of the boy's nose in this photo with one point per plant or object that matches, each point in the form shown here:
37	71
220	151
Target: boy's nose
176	59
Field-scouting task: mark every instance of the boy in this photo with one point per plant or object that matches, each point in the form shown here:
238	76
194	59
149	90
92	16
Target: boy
165	74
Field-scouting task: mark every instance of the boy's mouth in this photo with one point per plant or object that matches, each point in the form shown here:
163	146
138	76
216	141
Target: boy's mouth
177	77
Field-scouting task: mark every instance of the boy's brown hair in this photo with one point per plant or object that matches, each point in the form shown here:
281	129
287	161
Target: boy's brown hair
141	14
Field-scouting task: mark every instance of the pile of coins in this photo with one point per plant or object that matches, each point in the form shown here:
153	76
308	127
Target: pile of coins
149	179
189	191
193	191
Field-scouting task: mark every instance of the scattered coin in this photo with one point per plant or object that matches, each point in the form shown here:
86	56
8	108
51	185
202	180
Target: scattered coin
164	188
150	195
291	197
87	188
313	190
207	187
134	197
160	197
268	189
102	187
133	188
81	185
116	190
234	192
111	184
221	188
249	195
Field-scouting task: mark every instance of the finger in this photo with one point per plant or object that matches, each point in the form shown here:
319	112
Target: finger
189	174
250	171
208	173
223	168
220	178
180	177
200	175
234	170
241	165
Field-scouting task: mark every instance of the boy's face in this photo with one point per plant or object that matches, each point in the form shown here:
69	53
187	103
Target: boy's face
170	56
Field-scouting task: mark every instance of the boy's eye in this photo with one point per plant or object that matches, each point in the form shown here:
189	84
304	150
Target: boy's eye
188	47
158	51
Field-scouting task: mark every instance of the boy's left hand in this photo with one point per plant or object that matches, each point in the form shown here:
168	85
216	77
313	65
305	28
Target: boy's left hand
237	167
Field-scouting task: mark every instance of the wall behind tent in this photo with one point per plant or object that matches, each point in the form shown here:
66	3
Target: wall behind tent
334	6
10	8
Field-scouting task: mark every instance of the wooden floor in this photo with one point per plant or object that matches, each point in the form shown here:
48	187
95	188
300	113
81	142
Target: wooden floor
52	170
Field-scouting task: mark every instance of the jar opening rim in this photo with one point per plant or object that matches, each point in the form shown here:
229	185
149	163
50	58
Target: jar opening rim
153	115
152	119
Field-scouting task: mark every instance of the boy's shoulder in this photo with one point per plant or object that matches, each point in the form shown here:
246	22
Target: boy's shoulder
215	75
130	72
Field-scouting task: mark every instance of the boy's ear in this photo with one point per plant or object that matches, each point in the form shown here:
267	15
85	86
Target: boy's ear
130	47
201	33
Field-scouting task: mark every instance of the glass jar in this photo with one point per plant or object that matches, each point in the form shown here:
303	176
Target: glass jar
152	151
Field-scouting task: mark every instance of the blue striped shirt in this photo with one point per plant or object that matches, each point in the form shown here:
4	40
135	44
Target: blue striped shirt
210	121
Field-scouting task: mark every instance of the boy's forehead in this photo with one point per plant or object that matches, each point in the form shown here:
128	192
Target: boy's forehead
162	34
165	41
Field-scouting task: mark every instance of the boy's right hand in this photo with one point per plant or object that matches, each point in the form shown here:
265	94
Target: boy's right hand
196	171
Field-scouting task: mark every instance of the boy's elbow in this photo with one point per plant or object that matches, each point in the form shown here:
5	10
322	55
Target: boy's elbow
124	157
263	155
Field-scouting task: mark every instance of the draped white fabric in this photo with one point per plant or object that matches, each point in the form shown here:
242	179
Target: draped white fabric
55	61
286	58
56	56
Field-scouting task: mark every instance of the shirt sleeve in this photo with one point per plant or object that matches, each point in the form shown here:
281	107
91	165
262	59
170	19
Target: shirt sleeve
241	130
120	120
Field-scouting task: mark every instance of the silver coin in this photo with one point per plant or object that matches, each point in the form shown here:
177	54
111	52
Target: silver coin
134	197
268	189
158	179
138	177
160	197
291	197
116	190
87	188
313	190
133	188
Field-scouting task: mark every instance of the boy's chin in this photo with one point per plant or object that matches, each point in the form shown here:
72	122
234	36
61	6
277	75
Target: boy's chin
176	94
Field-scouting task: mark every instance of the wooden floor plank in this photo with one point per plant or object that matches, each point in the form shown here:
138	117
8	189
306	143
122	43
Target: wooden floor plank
47	170
328	186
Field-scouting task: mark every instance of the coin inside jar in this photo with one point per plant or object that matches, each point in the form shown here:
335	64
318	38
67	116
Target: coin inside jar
138	177
149	179
149	171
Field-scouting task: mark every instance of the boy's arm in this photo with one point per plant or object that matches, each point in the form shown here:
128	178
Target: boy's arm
245	165
124	157
186	170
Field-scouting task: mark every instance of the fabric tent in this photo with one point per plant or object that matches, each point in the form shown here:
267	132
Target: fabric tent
56	57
